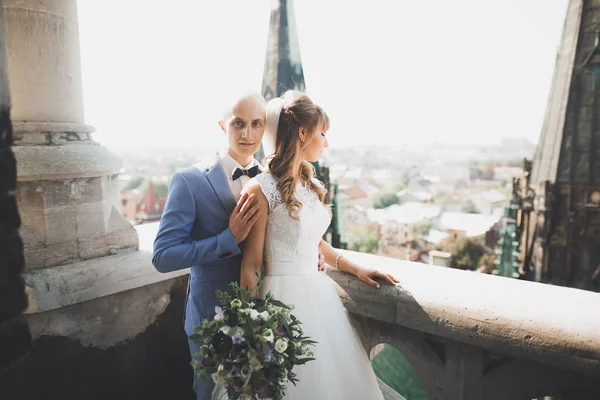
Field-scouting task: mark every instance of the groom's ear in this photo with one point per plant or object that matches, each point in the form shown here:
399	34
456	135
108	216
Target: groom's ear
222	125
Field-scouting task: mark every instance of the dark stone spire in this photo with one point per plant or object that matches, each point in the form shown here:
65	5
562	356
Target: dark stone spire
283	65
565	232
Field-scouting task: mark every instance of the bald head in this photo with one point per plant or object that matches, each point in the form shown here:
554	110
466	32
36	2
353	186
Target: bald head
245	98
244	124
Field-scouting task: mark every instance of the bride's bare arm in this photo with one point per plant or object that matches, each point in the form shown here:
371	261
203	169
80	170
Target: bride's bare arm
331	254
253	254
346	265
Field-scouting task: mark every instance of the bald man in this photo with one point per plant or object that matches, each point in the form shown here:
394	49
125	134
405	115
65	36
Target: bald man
205	220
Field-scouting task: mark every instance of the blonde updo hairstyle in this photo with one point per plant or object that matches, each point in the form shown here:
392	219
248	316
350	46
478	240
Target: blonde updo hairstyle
298	112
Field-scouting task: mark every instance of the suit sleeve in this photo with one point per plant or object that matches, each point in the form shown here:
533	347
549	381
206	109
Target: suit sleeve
173	249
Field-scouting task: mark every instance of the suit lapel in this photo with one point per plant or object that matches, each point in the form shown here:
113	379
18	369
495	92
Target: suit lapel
219	181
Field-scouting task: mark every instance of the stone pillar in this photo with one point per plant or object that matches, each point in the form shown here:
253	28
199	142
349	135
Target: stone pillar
67	190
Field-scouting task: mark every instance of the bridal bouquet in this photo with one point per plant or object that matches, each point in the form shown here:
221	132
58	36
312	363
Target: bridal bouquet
251	346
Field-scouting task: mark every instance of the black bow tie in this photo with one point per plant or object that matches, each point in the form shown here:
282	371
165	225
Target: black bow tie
251	172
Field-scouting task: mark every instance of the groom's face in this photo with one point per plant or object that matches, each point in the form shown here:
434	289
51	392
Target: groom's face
244	128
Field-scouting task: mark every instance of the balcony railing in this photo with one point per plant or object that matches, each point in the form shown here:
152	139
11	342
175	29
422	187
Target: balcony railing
467	335
475	336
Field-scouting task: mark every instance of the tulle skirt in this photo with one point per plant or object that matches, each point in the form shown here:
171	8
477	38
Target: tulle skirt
342	370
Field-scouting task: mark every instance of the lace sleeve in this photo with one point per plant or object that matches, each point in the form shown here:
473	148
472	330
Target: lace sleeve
268	185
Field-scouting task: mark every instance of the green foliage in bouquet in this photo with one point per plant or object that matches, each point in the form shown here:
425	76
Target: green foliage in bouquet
251	346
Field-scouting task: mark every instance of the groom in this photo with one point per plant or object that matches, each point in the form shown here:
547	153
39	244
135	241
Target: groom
205	219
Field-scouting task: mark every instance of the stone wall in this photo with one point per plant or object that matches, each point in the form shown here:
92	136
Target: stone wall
95	350
15	339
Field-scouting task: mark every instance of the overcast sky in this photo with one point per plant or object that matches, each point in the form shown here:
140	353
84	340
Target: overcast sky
387	71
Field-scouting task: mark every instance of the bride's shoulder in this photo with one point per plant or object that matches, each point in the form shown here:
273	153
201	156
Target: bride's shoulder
264	186
265	180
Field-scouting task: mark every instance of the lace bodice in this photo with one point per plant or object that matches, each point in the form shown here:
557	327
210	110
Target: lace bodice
291	246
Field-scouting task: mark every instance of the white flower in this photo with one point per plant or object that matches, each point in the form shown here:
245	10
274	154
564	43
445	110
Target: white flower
244	311
254	314
264	315
236	303
239	331
255	365
245	371
268	336
225	329
281	345
280	359
251	304
217	378
220	314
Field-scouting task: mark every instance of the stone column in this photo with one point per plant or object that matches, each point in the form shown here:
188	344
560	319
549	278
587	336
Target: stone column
67	190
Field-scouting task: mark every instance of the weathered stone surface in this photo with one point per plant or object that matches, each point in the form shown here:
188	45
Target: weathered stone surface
552	325
38	133
105	321
65	285
66	191
72	220
465	344
556	111
151	364
65	162
44	68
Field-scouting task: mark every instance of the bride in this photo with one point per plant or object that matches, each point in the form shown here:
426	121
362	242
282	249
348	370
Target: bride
285	242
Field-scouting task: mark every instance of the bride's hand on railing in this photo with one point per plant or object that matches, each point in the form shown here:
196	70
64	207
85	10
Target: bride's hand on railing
368	275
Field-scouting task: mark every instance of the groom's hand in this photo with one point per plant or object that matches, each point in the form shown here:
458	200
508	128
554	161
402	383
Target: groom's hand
244	215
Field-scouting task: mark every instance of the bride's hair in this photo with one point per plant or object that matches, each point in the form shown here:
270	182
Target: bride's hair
298	111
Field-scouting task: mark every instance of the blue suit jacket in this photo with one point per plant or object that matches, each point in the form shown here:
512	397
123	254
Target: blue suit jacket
194	233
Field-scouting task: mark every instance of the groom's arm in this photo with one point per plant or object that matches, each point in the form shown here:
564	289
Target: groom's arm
173	249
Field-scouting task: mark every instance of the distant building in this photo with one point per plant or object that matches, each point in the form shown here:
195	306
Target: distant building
396	223
464	224
435	237
144	203
440	258
351	195
487	201
422	196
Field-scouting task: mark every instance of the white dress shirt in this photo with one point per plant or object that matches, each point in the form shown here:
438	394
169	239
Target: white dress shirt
229	165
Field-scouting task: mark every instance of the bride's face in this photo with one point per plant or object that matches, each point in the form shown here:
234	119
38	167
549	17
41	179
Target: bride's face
314	144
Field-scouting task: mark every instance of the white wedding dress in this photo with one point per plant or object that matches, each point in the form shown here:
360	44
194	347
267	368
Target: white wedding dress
342	370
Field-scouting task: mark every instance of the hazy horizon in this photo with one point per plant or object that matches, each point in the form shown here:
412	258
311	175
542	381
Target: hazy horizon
388	73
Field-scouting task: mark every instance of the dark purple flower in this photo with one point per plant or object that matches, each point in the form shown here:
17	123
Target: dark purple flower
268	357
236	372
258	302
238	384
263	388
221	342
237	339
279	331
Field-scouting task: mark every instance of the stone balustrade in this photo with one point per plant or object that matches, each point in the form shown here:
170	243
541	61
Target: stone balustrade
467	335
475	336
